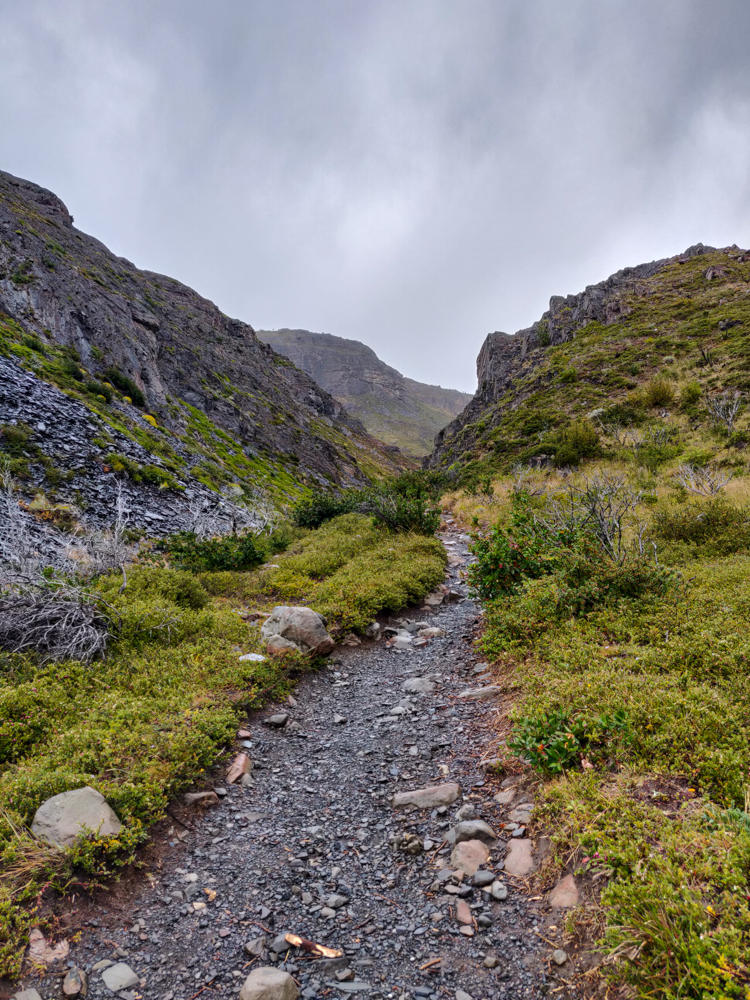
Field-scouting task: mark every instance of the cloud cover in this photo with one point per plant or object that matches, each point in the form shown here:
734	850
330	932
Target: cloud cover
409	173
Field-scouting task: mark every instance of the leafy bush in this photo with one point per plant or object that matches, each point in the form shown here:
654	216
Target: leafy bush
405	503
243	551
146	582
714	526
690	395
554	742
98	389
576	441
659	392
126	385
153	474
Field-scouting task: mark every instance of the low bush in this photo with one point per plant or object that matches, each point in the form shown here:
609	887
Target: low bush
659	392
406	503
126	386
690	395
555	742
577	441
714	527
243	551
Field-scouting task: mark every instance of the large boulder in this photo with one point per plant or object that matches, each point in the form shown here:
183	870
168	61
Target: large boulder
267	983
296	630
67	816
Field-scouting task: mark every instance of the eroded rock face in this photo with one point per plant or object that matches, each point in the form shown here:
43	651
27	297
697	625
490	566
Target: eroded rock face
296	630
65	817
267	983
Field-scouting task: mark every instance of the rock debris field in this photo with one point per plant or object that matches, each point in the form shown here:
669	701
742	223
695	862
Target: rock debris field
320	841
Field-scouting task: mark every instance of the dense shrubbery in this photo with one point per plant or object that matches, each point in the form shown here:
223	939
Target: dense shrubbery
126	386
406	503
243	551
714	527
554	742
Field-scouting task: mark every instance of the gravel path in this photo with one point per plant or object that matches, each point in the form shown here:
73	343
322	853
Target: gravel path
314	847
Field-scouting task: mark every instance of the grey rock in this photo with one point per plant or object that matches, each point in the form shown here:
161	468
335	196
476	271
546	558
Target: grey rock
462	995
267	983
201	799
302	627
427	798
119	977
491	961
336	901
280	943
30	994
327	912
499	891
62	818
480	694
253	657
278	721
255	947
482	878
418	685
559	957
467	811
472	829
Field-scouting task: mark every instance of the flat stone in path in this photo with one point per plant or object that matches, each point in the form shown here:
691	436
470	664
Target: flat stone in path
473	829
469	855
62	818
428	798
119	977
481	694
565	893
268	983
463	913
518	860
418	685
26	995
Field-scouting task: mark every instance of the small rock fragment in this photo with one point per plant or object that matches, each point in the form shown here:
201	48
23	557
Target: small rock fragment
75	983
565	893
518	860
472	829
240	766
463	913
491	961
480	694
418	685
461	995
203	799
253	658
499	891
278	721
559	957
482	878
30	994
340	720
255	947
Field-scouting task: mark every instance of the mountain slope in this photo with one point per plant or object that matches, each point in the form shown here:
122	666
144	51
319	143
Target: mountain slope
684	319
393	408
187	382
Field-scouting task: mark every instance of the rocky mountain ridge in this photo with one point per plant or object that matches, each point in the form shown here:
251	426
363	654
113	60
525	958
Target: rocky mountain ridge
395	409
156	362
591	349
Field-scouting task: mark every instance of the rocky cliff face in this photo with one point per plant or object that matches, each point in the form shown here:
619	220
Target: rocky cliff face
393	408
188	382
543	367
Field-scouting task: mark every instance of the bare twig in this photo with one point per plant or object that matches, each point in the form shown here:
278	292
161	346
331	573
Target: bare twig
702	480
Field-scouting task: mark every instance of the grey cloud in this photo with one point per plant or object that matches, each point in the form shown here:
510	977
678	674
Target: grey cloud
411	173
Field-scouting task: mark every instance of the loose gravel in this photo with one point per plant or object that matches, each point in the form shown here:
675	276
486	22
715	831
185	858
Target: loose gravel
312	846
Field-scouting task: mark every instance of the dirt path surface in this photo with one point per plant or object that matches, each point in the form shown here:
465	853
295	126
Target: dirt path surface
314	847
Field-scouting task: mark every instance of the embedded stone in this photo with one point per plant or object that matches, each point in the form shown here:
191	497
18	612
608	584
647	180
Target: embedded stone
518	860
267	983
64	818
565	893
469	855
428	798
472	829
303	628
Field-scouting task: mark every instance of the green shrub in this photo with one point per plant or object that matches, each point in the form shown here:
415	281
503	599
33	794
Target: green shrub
153	474
714	526
98	389
690	395
15	439
126	385
177	586
659	392
243	551
311	512
576	441
554	742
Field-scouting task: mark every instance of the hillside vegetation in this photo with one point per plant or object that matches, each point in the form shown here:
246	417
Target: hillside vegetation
393	408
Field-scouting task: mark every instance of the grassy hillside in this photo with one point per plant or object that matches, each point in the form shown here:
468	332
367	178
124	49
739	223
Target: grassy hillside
394	409
680	339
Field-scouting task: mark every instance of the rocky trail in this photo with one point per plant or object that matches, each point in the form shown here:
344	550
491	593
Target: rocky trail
313	843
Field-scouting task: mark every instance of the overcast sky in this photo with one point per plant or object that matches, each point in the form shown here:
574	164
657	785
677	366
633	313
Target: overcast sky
409	173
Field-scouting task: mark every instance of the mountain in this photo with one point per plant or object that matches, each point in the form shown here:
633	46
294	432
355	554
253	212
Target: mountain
609	353
156	368
393	408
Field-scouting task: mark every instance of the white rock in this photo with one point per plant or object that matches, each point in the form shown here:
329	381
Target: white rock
428	798
62	818
267	983
253	657
119	977
418	685
480	694
30	994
